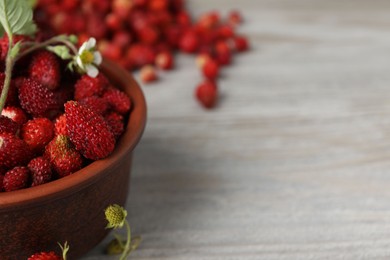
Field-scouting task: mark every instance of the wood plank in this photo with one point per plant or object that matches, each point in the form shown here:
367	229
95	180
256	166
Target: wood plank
294	163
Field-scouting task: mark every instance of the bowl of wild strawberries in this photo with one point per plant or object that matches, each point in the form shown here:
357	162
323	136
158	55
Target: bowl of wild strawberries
66	142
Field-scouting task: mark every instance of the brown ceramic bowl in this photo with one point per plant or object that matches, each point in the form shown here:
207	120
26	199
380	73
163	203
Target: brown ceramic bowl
72	208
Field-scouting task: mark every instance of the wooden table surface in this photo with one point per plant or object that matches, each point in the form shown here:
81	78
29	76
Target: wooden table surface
295	161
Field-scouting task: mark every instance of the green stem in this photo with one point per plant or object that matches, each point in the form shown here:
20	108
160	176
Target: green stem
8	74
126	251
35	46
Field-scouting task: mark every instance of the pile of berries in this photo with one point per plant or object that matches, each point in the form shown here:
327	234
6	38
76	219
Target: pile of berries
144	34
55	122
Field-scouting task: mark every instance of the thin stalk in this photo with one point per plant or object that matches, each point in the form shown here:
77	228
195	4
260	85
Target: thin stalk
127	251
8	74
35	46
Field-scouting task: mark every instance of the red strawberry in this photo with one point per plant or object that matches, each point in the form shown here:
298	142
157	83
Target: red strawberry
148	74
118	100
60	125
40	169
16	179
207	94
45	256
115	122
88	131
7	125
210	69
13	151
45	69
164	60
87	86
36	99
16	114
37	133
63	157
97	104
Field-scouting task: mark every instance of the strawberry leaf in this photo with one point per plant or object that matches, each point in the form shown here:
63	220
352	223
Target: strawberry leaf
61	51
16	17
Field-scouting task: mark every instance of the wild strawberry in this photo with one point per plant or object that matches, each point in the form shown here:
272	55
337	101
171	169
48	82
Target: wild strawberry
189	42
45	256
45	69
110	50
115	123
148	35
139	55
40	169
148	74
88	131
210	69
63	156
122	39
97	104
223	58
241	43
172	35
118	100
235	18
36	99
164	60
7	125
87	86
201	59
207	94
209	20
13	151
16	179
37	133
16	114
121	7
158	5
113	21
183	18
95	28
225	31
60	125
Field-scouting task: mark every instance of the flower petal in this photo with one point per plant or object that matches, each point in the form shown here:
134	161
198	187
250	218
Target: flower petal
91	43
97	58
92	71
80	62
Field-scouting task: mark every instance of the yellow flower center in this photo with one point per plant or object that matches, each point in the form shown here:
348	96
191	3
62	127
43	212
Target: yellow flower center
115	216
86	57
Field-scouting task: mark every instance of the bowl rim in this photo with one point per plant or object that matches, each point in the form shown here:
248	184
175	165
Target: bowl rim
93	172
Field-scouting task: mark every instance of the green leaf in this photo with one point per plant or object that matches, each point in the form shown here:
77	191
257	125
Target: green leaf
15	50
61	51
16	17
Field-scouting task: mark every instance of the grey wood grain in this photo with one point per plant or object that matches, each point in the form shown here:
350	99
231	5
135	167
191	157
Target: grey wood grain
295	161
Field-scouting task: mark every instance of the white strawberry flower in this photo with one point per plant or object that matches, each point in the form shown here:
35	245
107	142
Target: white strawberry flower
89	58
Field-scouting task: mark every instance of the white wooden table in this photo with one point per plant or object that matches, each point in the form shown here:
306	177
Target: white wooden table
294	163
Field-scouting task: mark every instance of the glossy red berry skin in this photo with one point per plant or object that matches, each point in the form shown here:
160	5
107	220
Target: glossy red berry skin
210	69
189	42
207	94
164	61
241	43
148	74
16	179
